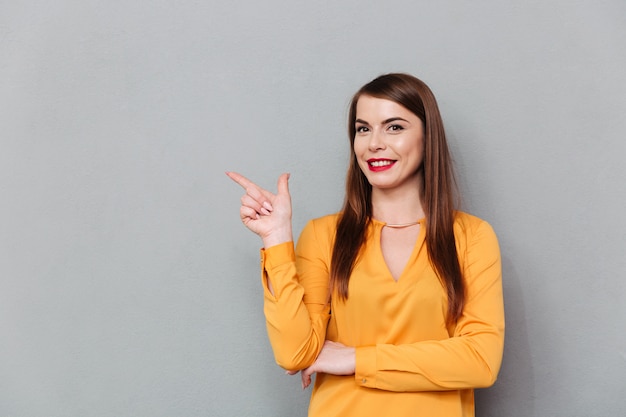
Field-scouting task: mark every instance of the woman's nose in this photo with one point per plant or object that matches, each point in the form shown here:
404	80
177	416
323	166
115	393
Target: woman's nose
376	141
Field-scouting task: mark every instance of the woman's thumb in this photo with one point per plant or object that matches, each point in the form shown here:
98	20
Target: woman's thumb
283	184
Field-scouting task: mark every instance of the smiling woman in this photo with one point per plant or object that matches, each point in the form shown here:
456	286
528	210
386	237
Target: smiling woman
396	302
389	144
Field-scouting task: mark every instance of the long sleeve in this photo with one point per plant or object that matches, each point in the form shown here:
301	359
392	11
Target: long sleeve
297	313
471	357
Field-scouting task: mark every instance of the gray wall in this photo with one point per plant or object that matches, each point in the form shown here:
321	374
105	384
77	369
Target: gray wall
128	286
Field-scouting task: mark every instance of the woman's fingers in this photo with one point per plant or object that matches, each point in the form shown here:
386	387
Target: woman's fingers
247	214
306	378
248	201
266	214
258	194
307	374
334	358
240	179
283	184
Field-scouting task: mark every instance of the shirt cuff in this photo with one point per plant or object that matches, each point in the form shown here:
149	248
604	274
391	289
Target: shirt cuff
278	267
365	369
277	255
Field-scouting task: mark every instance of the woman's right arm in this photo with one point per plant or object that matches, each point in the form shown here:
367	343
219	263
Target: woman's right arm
298	310
295	289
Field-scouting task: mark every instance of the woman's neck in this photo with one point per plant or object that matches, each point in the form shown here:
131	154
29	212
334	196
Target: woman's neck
397	206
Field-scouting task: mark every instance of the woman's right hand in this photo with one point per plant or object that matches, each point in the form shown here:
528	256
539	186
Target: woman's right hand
266	214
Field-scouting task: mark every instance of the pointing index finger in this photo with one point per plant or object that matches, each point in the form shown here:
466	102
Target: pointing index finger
252	189
240	179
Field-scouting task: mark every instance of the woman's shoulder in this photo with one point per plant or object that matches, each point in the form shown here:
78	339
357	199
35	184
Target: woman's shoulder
477	248
318	234
325	225
328	219
469	225
474	235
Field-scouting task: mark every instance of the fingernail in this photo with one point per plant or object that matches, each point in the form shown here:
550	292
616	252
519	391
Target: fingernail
268	206
265	211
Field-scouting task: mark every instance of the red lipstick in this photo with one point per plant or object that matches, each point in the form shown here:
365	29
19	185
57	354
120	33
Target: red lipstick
380	164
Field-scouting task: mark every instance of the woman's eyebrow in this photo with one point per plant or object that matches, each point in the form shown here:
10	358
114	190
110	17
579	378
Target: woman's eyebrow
393	119
384	122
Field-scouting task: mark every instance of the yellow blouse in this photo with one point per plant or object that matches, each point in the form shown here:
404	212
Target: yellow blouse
408	363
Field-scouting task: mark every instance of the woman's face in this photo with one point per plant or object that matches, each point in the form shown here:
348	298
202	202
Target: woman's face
388	143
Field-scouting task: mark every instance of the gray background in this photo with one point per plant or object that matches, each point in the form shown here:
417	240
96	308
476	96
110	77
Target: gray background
128	286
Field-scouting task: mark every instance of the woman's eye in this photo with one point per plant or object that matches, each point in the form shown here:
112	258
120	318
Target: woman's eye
396	127
362	129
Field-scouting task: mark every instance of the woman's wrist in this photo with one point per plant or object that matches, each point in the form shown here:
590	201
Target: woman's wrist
277	238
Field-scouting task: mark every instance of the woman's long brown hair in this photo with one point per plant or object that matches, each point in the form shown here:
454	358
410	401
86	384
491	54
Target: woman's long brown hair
438	193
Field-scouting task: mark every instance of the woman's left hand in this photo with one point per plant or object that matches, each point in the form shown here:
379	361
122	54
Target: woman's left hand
334	359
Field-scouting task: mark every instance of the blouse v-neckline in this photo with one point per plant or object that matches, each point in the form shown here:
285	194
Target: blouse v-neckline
378	228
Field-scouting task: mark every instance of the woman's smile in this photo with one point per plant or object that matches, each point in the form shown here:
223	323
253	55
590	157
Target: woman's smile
377	165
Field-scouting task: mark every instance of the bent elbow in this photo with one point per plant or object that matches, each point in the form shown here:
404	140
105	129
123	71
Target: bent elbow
291	362
487	375
295	355
487	379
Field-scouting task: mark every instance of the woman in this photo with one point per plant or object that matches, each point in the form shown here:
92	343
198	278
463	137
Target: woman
396	302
